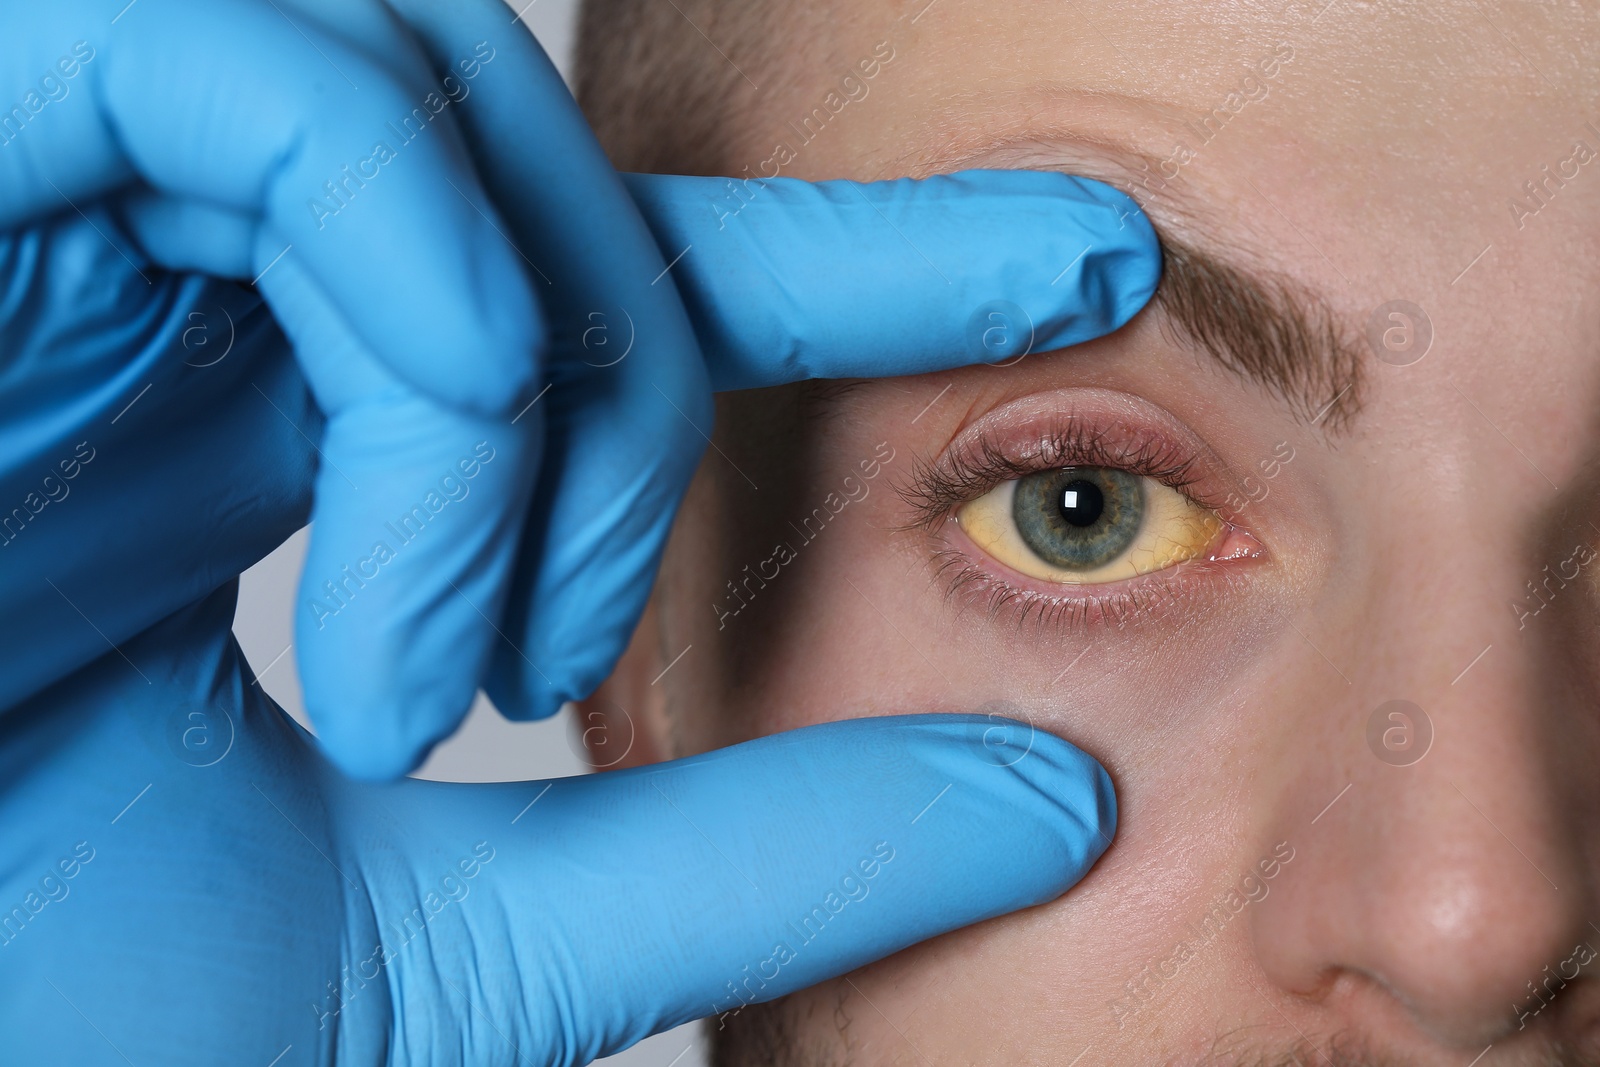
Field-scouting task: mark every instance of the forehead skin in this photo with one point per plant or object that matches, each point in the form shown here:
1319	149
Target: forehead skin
1380	163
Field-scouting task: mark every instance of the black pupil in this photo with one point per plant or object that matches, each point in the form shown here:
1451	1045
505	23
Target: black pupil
1082	502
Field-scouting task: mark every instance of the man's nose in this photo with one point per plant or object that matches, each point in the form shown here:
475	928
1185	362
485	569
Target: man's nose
1445	880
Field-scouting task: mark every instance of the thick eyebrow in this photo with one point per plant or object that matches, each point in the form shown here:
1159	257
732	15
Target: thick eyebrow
1263	328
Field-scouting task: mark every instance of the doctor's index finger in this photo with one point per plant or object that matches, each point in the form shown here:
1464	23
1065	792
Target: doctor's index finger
786	279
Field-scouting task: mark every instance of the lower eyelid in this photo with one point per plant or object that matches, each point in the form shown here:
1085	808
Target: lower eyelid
975	579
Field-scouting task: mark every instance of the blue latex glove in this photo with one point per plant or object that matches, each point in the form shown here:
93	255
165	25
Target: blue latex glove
186	880
471	527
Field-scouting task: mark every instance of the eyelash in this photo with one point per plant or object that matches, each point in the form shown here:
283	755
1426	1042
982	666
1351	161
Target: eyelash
935	490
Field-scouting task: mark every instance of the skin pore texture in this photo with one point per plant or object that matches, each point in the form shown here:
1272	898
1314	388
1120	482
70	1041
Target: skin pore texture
1288	884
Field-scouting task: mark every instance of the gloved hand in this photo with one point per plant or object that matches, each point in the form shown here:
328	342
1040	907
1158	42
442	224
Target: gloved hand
492	486
186	881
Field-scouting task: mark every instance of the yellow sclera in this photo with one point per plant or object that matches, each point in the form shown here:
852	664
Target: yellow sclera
1173	529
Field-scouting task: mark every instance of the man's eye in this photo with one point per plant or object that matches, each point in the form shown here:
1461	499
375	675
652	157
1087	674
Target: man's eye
1088	525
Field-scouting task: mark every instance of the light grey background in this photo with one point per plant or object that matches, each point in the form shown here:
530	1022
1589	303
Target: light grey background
488	748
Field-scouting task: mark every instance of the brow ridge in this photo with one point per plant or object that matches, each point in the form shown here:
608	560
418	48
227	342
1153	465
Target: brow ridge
1264	328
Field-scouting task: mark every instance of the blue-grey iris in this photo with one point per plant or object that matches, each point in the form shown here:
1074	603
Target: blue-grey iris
1079	518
